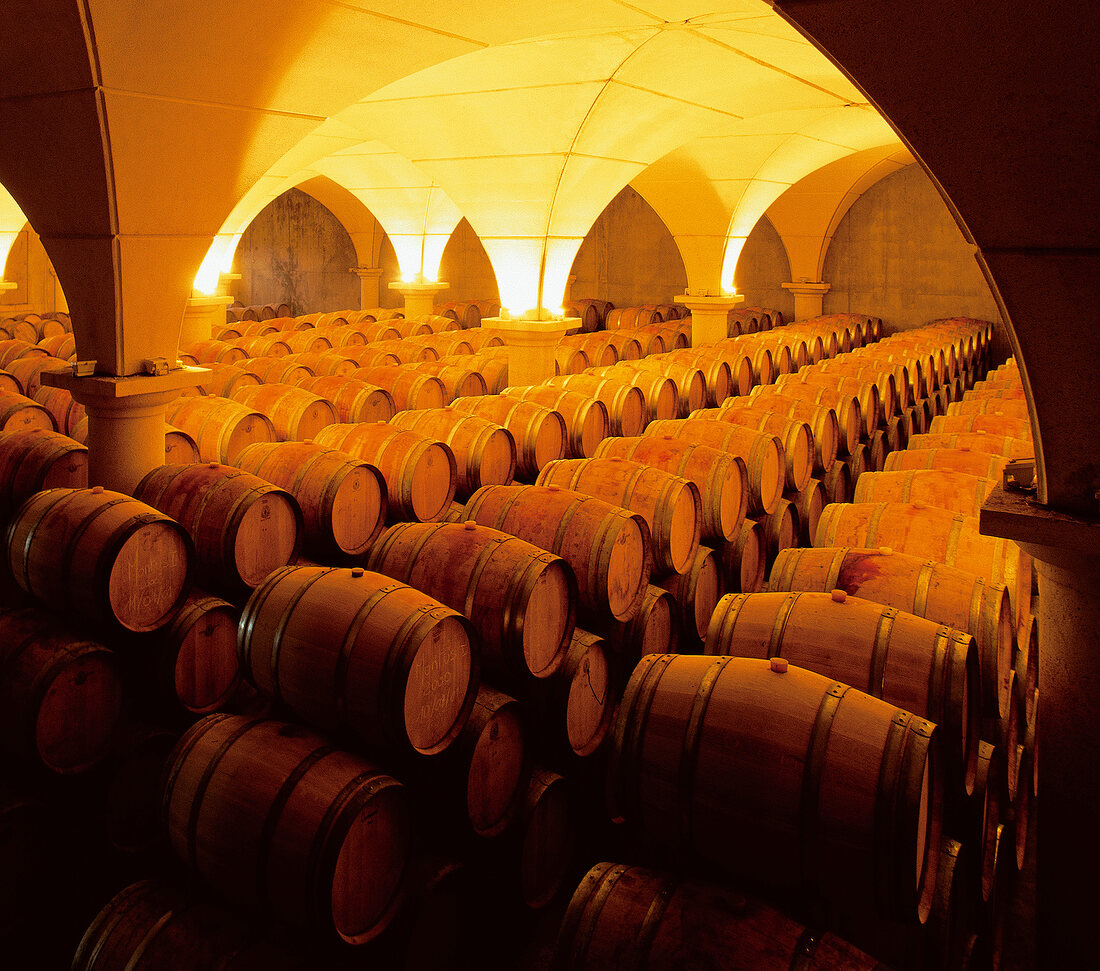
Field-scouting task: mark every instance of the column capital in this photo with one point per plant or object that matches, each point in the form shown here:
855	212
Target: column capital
531	343
709	314
806	287
127	392
366	272
809	297
1047	534
419	296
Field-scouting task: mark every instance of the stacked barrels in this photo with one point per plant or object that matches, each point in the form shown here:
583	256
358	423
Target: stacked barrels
516	604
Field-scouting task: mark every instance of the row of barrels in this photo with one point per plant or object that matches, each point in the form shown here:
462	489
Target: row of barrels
572	543
32	327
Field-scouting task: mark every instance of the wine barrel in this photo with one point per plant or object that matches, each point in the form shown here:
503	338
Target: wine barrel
846	408
222	379
296	414
1004	445
220	427
809	504
242	527
409	390
607	546
150	925
929	589
626	405
669	504
179	447
817	773
661	395
939	534
105	556
485	452
991	424
762	453
916	664
20	413
406	673
482	777
781	528
38	459
60	695
721	478
695	592
956	459
270	814
342	499
354	401
837	483
420	472
744	559
198	653
650	631
797	438
539	433
821	424
717	373
573	707
587	419
519	598
943	488
632	917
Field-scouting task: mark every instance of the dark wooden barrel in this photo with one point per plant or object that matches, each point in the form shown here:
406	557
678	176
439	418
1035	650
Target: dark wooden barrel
60	695
632	917
405	675
744	559
198	653
109	558
38	459
272	815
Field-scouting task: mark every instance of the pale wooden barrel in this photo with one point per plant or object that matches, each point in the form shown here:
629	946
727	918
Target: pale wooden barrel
295	413
744	559
520	599
539	433
420	472
797	438
945	488
607	546
38	459
796	797
919	665
354	400
242	527
220	427
721	478
669	504
587	419
485	452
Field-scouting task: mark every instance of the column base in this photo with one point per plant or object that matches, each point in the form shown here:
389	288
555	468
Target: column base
419	297
125	420
709	315
808	298
531	345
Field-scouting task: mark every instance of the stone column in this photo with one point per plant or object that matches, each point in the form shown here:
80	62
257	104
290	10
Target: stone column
709	315
531	343
125	420
419	297
808	298
369	279
1066	550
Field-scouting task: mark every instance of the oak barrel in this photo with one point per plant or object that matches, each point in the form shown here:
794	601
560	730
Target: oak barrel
242	526
271	814
780	776
404	675
102	555
520	599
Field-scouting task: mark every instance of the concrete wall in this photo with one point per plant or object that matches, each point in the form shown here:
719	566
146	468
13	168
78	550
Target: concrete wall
899	254
628	257
465	266
296	251
762	267
30	267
